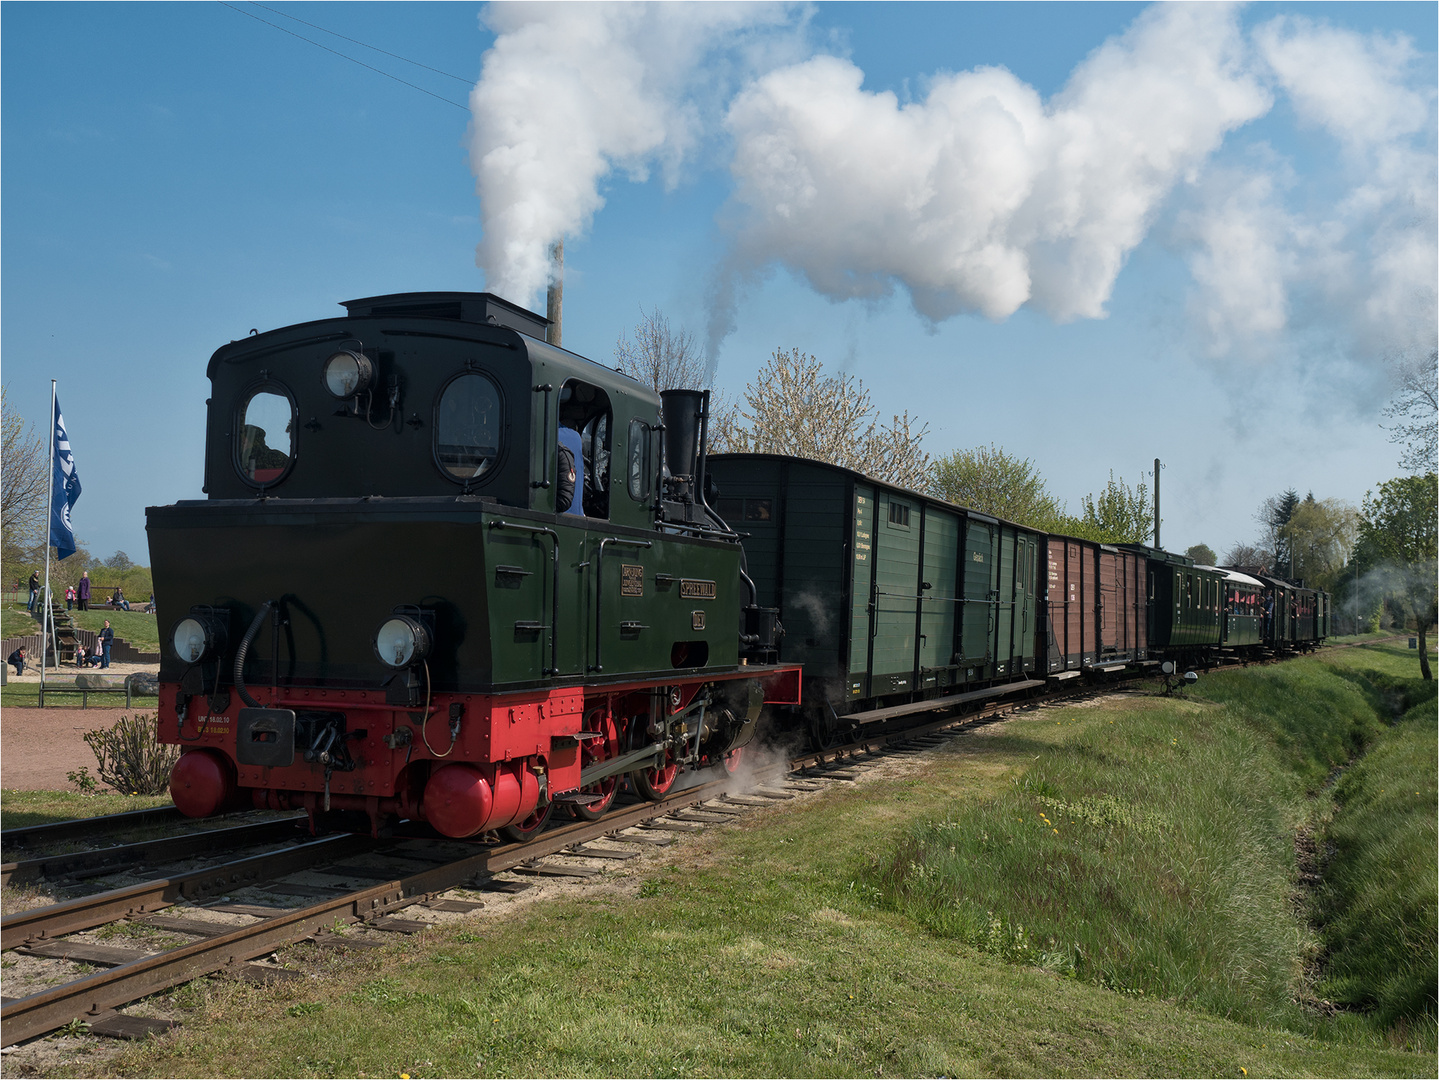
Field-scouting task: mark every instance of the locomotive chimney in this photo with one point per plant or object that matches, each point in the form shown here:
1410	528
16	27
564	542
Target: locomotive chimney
682	411
555	297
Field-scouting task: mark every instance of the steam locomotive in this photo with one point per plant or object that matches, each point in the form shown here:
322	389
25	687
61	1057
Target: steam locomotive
447	572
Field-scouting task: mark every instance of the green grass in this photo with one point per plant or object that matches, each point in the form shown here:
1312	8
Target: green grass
139	629
15	621
766	948
1154	853
20	809
1378	901
27	695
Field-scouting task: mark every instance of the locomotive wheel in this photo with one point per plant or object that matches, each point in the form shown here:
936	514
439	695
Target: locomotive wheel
652	784
732	760
604	749
521	831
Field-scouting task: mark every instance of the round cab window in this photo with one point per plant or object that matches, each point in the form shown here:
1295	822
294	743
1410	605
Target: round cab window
267	437
467	427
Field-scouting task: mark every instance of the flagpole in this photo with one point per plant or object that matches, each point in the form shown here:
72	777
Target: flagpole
49	524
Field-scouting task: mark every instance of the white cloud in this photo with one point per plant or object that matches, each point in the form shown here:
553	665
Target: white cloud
981	197
1360	265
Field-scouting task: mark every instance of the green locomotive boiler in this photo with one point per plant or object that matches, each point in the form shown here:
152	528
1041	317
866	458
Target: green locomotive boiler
448	572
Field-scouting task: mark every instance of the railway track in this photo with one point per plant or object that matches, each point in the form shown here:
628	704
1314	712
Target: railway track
417	872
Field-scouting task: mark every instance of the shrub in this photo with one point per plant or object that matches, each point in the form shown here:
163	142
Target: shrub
132	759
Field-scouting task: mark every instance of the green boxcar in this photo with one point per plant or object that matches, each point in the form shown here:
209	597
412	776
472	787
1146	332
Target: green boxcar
882	592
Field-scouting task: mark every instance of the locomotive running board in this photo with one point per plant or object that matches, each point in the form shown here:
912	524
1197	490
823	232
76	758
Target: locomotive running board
936	704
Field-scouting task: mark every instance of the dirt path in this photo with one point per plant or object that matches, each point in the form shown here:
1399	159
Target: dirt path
39	746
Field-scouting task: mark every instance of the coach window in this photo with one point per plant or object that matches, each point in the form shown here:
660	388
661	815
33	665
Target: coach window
586	409
468	421
266	443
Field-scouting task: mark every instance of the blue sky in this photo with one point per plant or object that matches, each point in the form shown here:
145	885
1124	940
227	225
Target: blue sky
176	174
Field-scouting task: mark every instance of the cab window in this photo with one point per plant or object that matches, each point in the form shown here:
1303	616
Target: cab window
585	408
468	422
266	442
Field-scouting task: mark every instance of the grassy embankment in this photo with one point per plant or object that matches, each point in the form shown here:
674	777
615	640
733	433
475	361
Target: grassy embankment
1378	900
902	925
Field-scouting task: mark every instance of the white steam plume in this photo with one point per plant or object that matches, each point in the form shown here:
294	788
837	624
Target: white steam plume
571	92
982	197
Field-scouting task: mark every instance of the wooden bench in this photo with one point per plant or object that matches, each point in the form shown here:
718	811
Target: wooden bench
83	685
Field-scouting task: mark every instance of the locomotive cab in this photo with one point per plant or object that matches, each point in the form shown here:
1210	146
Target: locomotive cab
438	575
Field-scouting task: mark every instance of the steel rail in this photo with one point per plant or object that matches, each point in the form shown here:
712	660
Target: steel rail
163	849
86	912
93	995
87	828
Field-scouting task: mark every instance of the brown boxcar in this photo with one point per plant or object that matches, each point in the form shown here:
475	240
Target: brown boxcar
1095	605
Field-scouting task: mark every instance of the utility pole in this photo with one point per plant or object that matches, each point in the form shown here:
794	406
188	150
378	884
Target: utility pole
555	297
1157	467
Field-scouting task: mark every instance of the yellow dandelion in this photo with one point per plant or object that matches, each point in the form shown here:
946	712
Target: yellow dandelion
404	1076
1056	832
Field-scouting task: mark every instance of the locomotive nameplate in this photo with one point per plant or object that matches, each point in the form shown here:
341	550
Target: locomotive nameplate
695	589
632	580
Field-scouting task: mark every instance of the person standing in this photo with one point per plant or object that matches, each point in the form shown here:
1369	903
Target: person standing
34	589
83	593
69	597
107	636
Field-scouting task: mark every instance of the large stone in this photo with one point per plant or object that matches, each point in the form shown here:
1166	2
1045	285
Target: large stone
88	681
145	684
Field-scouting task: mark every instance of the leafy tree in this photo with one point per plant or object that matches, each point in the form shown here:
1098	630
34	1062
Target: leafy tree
792	407
1321	536
1120	514
1397	534
24	483
1202	554
660	357
1414	410
994	482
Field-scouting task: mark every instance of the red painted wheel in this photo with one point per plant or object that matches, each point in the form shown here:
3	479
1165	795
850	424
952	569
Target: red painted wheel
652	783
521	831
596	750
732	759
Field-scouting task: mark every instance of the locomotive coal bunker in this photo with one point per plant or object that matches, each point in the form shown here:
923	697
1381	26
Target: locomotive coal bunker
447	572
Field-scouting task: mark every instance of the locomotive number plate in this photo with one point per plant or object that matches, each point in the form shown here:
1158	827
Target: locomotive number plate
632	580
697	620
695	589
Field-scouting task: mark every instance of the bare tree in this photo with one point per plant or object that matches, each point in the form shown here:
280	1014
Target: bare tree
793	407
661	357
1414	411
1247	555
23	483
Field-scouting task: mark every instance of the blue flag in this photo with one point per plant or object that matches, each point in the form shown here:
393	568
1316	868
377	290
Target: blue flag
66	491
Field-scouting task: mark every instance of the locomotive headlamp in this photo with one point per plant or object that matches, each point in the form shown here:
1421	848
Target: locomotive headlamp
348	373
402	641
198	636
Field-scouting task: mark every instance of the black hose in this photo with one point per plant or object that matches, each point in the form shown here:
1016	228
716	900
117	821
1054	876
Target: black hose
244	650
